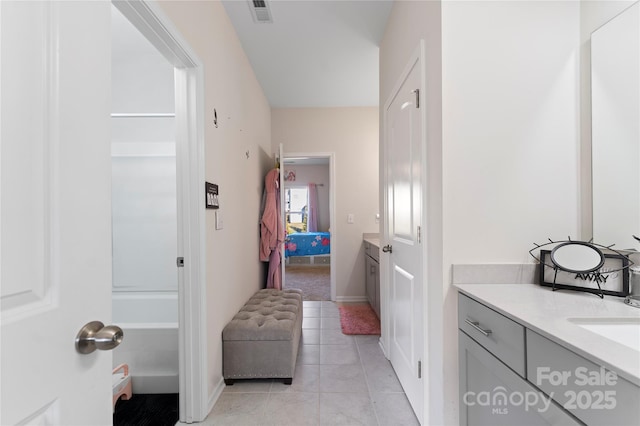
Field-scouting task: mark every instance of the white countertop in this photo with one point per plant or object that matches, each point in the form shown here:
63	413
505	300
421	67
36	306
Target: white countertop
373	241
548	312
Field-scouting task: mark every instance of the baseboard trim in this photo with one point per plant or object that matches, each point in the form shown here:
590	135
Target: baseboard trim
213	398
384	350
351	299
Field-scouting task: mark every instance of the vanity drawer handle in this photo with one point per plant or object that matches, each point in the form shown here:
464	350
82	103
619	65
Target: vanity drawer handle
476	325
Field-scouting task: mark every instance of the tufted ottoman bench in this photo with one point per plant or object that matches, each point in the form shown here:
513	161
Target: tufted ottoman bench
261	341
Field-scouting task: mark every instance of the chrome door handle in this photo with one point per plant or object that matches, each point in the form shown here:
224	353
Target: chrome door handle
387	249
476	325
95	335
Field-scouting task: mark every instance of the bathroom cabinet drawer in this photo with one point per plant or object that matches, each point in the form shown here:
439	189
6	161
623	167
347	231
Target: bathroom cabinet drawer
372	250
498	334
591	393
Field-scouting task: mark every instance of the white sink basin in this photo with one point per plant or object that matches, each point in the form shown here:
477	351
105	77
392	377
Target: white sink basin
625	331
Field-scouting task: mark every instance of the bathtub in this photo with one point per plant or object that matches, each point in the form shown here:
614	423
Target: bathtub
150	344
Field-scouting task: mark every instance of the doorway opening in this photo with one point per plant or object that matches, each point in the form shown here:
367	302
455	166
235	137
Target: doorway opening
158	167
144	223
308	216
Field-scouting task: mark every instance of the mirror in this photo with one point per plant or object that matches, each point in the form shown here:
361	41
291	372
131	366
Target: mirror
615	103
578	257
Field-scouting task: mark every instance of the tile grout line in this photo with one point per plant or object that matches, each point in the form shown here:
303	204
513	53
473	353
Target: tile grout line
366	379
266	404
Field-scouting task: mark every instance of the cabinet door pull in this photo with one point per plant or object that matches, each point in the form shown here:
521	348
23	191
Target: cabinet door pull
476	325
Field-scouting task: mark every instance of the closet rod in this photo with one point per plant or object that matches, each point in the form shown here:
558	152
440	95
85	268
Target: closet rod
143	115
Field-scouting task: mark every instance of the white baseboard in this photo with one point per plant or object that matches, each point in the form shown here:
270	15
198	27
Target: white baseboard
213	398
351	299
384	351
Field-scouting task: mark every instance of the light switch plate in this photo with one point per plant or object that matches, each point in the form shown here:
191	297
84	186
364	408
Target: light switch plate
218	219
350	218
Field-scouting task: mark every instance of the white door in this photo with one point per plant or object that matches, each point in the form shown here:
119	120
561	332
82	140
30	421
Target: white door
403	129
55	256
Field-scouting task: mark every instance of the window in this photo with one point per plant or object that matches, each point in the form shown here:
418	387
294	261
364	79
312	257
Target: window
296	202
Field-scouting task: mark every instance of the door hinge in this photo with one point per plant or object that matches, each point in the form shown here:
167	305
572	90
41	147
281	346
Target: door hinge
419	234
417	92
419	369
180	262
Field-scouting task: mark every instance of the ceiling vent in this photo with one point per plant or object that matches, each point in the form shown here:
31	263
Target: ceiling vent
260	11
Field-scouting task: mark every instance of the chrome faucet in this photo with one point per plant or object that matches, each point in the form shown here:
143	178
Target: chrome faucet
633	299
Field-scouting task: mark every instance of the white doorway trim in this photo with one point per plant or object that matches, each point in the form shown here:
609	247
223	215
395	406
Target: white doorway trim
151	21
332	206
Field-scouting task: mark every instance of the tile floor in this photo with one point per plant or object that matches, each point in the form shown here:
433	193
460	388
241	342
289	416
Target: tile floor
339	380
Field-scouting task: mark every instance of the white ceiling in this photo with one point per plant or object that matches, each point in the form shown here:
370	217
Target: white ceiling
315	53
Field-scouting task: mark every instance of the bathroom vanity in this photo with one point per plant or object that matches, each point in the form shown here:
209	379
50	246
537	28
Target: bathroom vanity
529	355
372	271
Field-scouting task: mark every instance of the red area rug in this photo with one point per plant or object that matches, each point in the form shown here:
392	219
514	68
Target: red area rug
359	319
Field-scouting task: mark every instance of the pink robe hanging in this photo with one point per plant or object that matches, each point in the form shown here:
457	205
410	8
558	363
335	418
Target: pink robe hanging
272	230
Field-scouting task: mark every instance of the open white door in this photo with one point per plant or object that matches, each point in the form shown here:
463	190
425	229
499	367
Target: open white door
404	247
55	210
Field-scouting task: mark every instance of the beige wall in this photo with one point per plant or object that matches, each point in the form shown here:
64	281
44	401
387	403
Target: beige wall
233	270
352	135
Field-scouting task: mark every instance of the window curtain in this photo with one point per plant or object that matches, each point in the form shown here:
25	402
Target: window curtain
312	220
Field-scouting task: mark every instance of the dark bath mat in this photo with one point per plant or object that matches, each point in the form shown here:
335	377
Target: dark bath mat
147	410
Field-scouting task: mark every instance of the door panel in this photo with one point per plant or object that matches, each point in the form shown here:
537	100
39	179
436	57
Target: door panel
404	200
25	212
403	289
402	179
55	224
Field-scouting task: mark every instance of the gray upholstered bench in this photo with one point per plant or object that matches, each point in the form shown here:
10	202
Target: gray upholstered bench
261	341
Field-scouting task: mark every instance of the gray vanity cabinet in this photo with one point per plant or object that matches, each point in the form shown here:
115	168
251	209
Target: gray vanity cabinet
490	393
493	387
593	394
372	275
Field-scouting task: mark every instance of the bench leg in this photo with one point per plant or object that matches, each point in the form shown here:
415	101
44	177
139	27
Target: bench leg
228	382
287	381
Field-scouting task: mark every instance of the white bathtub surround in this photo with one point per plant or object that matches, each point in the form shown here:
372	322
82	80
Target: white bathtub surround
150	344
145	308
513	273
152	355
560	316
